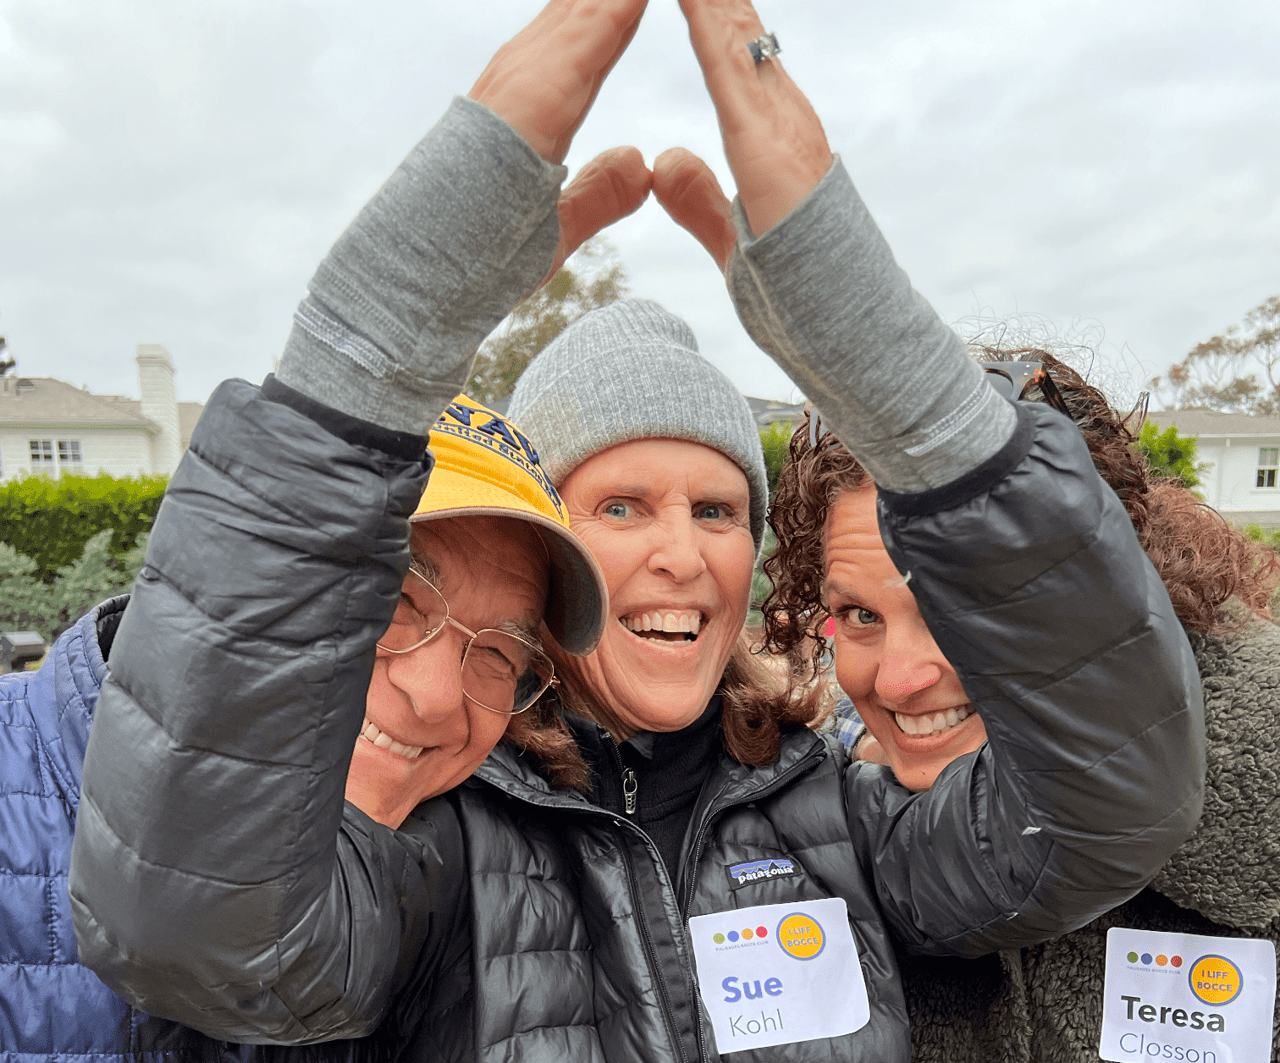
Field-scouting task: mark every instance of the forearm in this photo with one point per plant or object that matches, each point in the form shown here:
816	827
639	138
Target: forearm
1037	591
463	229
822	294
205	883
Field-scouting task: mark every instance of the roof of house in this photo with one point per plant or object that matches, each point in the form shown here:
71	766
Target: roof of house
43	400
770	411
1199	421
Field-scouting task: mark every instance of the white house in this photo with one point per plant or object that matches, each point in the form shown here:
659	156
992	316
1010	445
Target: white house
1242	481
48	426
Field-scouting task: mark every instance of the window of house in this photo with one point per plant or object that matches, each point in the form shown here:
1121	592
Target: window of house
1268	462
42	456
49	457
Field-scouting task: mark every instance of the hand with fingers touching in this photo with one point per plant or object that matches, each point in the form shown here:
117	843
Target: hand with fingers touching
773	139
612	185
543	82
690	193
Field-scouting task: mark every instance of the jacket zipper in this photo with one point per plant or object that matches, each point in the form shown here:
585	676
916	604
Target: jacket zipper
668	1012
630	786
703	830
818	754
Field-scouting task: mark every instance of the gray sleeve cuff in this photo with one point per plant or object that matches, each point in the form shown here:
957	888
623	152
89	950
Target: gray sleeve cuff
464	228
821	293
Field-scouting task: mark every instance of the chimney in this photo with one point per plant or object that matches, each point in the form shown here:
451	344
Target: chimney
159	405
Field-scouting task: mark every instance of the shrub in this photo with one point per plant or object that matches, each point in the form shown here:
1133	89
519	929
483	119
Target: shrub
776	441
50	521
1170	453
1270	536
28	603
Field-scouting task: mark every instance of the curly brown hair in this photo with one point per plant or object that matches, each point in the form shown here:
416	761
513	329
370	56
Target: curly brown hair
1207	565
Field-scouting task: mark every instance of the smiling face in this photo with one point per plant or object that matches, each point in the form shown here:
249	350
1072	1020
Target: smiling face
906	692
668	521
420	736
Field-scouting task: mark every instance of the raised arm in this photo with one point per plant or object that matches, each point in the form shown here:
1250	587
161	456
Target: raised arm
892	381
215	879
1021	560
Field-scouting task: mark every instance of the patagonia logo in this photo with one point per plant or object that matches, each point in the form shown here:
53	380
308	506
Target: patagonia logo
760	870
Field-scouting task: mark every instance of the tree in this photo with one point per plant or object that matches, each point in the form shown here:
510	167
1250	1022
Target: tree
1169	453
1217	372
7	365
592	277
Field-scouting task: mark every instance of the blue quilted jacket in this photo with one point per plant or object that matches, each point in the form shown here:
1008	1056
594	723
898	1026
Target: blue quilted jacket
52	1007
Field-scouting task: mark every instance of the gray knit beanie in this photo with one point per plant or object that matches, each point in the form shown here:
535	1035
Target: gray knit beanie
631	370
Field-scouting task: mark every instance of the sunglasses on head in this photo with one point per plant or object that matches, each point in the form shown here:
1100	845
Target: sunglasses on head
1014	379
1011	379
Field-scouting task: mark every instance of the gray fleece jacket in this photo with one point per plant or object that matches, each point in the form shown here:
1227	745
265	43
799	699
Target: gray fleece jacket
1044	1003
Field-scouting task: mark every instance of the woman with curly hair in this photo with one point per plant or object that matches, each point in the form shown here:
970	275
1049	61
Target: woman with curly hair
1044	1002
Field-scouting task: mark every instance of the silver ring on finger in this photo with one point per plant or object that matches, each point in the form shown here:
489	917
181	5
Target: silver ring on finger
764	47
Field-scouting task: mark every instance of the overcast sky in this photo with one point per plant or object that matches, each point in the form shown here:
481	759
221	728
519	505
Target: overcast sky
172	170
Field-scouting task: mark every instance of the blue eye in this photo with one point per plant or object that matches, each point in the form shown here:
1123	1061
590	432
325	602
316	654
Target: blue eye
711	511
616	510
856	616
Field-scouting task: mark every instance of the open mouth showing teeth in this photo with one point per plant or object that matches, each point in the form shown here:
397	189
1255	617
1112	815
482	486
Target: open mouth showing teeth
371	734
673	625
928	725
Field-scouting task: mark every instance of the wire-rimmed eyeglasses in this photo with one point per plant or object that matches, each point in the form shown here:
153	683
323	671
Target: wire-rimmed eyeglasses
501	671
1011	379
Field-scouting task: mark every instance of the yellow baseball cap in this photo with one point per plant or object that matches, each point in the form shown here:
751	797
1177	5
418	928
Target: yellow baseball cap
486	467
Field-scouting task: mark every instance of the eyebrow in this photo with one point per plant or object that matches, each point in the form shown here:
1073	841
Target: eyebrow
426	568
827	586
512	628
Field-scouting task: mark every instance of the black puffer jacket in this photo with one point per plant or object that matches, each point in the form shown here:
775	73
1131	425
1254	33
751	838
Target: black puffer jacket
216	880
1043	1004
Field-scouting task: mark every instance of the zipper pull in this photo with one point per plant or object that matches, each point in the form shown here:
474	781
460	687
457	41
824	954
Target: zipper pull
629	787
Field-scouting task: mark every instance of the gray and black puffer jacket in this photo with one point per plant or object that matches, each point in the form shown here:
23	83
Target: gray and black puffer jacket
217	880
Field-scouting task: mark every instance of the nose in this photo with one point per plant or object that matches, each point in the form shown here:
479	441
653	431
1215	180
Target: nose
431	676
676	549
910	661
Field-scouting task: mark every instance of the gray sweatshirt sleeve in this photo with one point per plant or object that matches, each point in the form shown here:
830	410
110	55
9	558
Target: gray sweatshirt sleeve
398	307
821	293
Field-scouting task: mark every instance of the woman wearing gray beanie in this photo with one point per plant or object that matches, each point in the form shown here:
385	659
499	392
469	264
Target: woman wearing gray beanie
649	890
1000	537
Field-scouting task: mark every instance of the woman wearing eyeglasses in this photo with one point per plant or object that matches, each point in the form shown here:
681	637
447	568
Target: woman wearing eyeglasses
692	874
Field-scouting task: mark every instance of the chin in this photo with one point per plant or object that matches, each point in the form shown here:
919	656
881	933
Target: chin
918	768
651	686
671	714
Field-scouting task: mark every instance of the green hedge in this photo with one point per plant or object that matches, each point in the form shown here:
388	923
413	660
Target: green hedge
50	521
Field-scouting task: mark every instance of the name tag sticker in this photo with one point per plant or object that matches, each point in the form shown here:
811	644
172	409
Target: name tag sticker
1187	997
778	973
